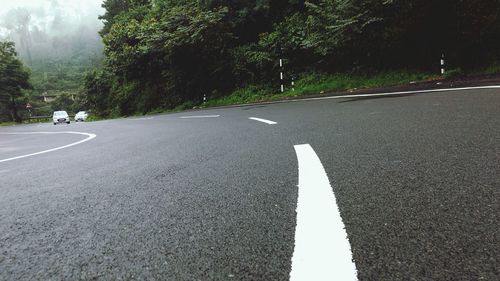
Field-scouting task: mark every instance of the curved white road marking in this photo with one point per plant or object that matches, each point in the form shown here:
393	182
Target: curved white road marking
373	95
322	251
263	120
200	116
89	137
400	93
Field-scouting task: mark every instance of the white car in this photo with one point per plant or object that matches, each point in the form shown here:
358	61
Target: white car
81	116
60	117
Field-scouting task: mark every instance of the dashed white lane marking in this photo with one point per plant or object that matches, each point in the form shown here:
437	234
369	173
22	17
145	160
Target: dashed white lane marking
263	120
200	116
322	251
140	119
89	137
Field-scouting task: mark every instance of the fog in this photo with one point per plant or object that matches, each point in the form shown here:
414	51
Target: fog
51	29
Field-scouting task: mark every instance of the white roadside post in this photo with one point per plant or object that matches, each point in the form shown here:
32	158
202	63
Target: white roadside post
293	85
281	75
442	64
204	98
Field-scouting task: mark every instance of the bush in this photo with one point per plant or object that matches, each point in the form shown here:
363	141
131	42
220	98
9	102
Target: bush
456	72
241	96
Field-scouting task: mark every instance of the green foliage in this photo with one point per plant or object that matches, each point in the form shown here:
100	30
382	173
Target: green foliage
455	72
166	54
64	101
14	79
7	124
336	24
185	106
315	83
494	68
95	96
57	48
115	8
324	83
39	107
61	74
154	57
244	95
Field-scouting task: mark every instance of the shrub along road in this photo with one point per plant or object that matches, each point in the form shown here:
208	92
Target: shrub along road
415	178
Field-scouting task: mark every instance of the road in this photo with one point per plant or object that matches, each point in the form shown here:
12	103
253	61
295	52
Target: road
415	177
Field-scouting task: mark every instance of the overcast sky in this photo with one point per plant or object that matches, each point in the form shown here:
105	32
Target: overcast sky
51	28
69	4
49	14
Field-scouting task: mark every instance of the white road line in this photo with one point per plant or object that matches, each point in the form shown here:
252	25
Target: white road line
89	137
201	116
375	95
393	93
322	251
263	120
140	119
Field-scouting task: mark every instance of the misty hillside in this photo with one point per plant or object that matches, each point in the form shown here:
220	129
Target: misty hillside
58	40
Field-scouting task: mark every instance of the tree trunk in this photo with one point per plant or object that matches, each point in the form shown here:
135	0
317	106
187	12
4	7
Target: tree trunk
13	111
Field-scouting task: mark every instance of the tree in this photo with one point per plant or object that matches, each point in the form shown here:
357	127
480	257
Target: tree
96	92
114	8
161	57
63	102
160	53
14	78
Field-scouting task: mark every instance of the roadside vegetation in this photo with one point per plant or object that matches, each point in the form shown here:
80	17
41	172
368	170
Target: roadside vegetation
57	48
166	55
14	81
316	83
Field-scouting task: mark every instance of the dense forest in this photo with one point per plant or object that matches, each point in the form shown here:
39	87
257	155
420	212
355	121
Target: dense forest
14	79
58	43
162	53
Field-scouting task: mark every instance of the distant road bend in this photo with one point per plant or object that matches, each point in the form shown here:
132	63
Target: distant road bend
374	187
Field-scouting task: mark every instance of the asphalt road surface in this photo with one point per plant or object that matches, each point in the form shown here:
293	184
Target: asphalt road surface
416	179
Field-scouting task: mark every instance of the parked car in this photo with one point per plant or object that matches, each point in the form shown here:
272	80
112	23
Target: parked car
81	116
60	117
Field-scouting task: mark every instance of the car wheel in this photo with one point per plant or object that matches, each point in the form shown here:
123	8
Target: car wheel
68	122
55	123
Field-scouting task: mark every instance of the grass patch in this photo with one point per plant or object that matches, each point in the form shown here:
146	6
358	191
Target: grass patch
93	118
453	73
5	124
313	84
321	83
8	124
245	95
185	106
491	69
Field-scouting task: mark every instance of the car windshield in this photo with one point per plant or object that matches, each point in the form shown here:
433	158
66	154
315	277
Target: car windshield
59	113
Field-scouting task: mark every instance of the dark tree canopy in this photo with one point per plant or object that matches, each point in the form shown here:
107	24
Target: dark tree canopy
14	78
160	53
